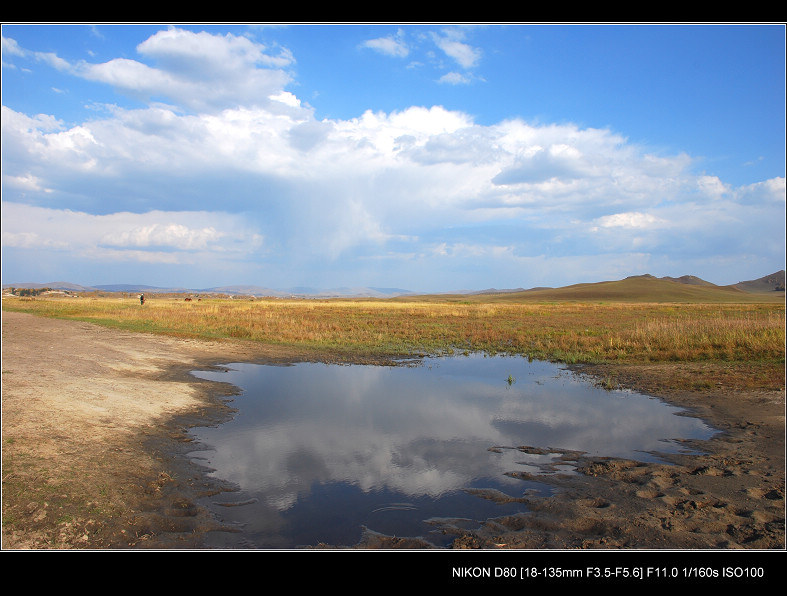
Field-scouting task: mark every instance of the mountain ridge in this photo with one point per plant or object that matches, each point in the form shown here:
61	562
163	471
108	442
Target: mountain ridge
687	285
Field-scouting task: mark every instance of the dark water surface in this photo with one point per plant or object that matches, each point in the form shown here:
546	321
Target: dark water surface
321	452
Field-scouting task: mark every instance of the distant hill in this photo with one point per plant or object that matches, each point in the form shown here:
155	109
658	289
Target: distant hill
637	288
55	285
133	288
770	283
640	288
689	279
303	291
237	290
647	288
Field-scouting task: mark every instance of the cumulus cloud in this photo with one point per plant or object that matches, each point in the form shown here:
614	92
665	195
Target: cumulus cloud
378	180
198	71
156	235
170	235
771	191
223	134
712	187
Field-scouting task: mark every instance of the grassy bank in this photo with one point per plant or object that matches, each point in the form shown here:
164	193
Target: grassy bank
568	332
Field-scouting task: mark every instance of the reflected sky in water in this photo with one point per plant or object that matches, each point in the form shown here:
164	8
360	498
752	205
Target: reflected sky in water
319	452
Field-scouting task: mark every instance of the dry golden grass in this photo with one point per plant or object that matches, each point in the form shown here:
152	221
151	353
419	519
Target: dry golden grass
570	332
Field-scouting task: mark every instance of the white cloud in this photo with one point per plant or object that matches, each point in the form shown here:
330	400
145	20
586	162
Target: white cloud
172	235
376	180
450	42
198	71
287	99
53	60
200	54
392	45
160	182
24	184
768	191
632	219
129	236
455	78
10	46
712	186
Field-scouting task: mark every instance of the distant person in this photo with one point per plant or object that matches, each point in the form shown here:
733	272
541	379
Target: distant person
142	299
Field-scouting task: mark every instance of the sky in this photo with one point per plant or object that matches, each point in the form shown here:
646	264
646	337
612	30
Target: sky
429	157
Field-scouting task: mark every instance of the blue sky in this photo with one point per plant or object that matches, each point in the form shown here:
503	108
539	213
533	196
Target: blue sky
430	157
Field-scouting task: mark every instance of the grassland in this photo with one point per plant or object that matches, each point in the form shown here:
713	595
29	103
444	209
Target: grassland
570	331
720	351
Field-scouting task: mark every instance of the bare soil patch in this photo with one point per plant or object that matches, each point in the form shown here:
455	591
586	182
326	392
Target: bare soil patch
94	421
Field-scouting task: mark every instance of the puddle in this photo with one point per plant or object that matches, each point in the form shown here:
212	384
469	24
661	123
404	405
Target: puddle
319	452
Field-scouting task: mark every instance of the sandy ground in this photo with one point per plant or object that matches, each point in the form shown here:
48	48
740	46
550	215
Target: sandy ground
94	422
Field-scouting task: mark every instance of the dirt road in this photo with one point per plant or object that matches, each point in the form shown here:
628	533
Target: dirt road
94	420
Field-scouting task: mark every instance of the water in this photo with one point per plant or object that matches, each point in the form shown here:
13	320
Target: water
319	453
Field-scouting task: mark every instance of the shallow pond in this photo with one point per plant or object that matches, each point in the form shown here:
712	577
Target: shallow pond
321	453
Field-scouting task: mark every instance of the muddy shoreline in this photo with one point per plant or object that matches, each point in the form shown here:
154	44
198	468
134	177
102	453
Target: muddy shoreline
95	424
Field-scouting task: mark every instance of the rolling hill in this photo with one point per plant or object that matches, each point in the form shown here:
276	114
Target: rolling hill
647	288
641	288
769	283
637	288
